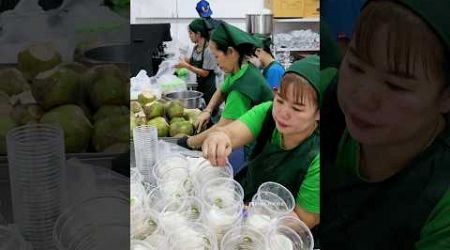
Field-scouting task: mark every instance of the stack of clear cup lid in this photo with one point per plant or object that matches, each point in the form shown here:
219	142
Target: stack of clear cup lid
223	199
37	172
146	150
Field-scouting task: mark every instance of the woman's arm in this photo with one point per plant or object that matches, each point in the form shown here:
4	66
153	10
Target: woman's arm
204	117
310	219
220	141
186	64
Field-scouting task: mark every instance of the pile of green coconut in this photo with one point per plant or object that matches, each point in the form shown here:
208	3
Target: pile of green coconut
89	104
169	117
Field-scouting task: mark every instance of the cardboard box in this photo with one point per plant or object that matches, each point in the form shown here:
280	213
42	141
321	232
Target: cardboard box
293	8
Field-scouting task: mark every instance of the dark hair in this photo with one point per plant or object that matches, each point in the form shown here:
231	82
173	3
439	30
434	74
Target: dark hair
408	36
204	33
302	89
244	50
266	46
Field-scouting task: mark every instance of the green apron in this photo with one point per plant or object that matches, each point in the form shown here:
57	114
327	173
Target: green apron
385	215
206	85
269	162
253	85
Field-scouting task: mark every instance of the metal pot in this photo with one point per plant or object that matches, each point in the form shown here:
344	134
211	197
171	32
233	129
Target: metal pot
112	53
260	23
190	99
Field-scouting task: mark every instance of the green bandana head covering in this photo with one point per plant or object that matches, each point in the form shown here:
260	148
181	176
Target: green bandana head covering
309	68
199	25
228	35
434	12
265	42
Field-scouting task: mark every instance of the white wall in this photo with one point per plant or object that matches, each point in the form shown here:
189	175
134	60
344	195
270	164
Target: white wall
179	13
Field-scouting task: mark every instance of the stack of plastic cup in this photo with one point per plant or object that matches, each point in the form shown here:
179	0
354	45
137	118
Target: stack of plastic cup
11	239
132	155
223	199
96	223
37	172
146	150
271	201
300	228
243	237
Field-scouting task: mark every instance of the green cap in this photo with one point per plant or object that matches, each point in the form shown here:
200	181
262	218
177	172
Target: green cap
229	35
199	25
434	12
264	41
309	68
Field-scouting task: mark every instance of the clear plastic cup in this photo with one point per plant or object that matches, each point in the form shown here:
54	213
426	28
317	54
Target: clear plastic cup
300	228
243	238
143	223
176	174
193	237
157	241
160	196
146	149
223	199
284	238
169	162
191	208
140	245
37	172
203	172
276	197
94	224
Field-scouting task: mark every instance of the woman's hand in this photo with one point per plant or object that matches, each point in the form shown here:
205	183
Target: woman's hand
202	121
182	64
216	148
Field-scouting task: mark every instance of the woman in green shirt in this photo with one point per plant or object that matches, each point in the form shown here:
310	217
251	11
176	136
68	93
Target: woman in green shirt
244	86
287	139
385	133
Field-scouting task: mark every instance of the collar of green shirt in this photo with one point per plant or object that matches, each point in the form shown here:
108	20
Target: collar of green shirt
233	77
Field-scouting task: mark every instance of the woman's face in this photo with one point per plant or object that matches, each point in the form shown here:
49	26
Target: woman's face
385	108
193	36
227	62
291	117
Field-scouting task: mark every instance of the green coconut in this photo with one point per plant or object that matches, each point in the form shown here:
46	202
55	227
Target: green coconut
77	128
12	81
56	87
162	126
38	58
110	131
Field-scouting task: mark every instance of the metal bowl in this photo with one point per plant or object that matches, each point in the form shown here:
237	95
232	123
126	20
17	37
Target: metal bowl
190	99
